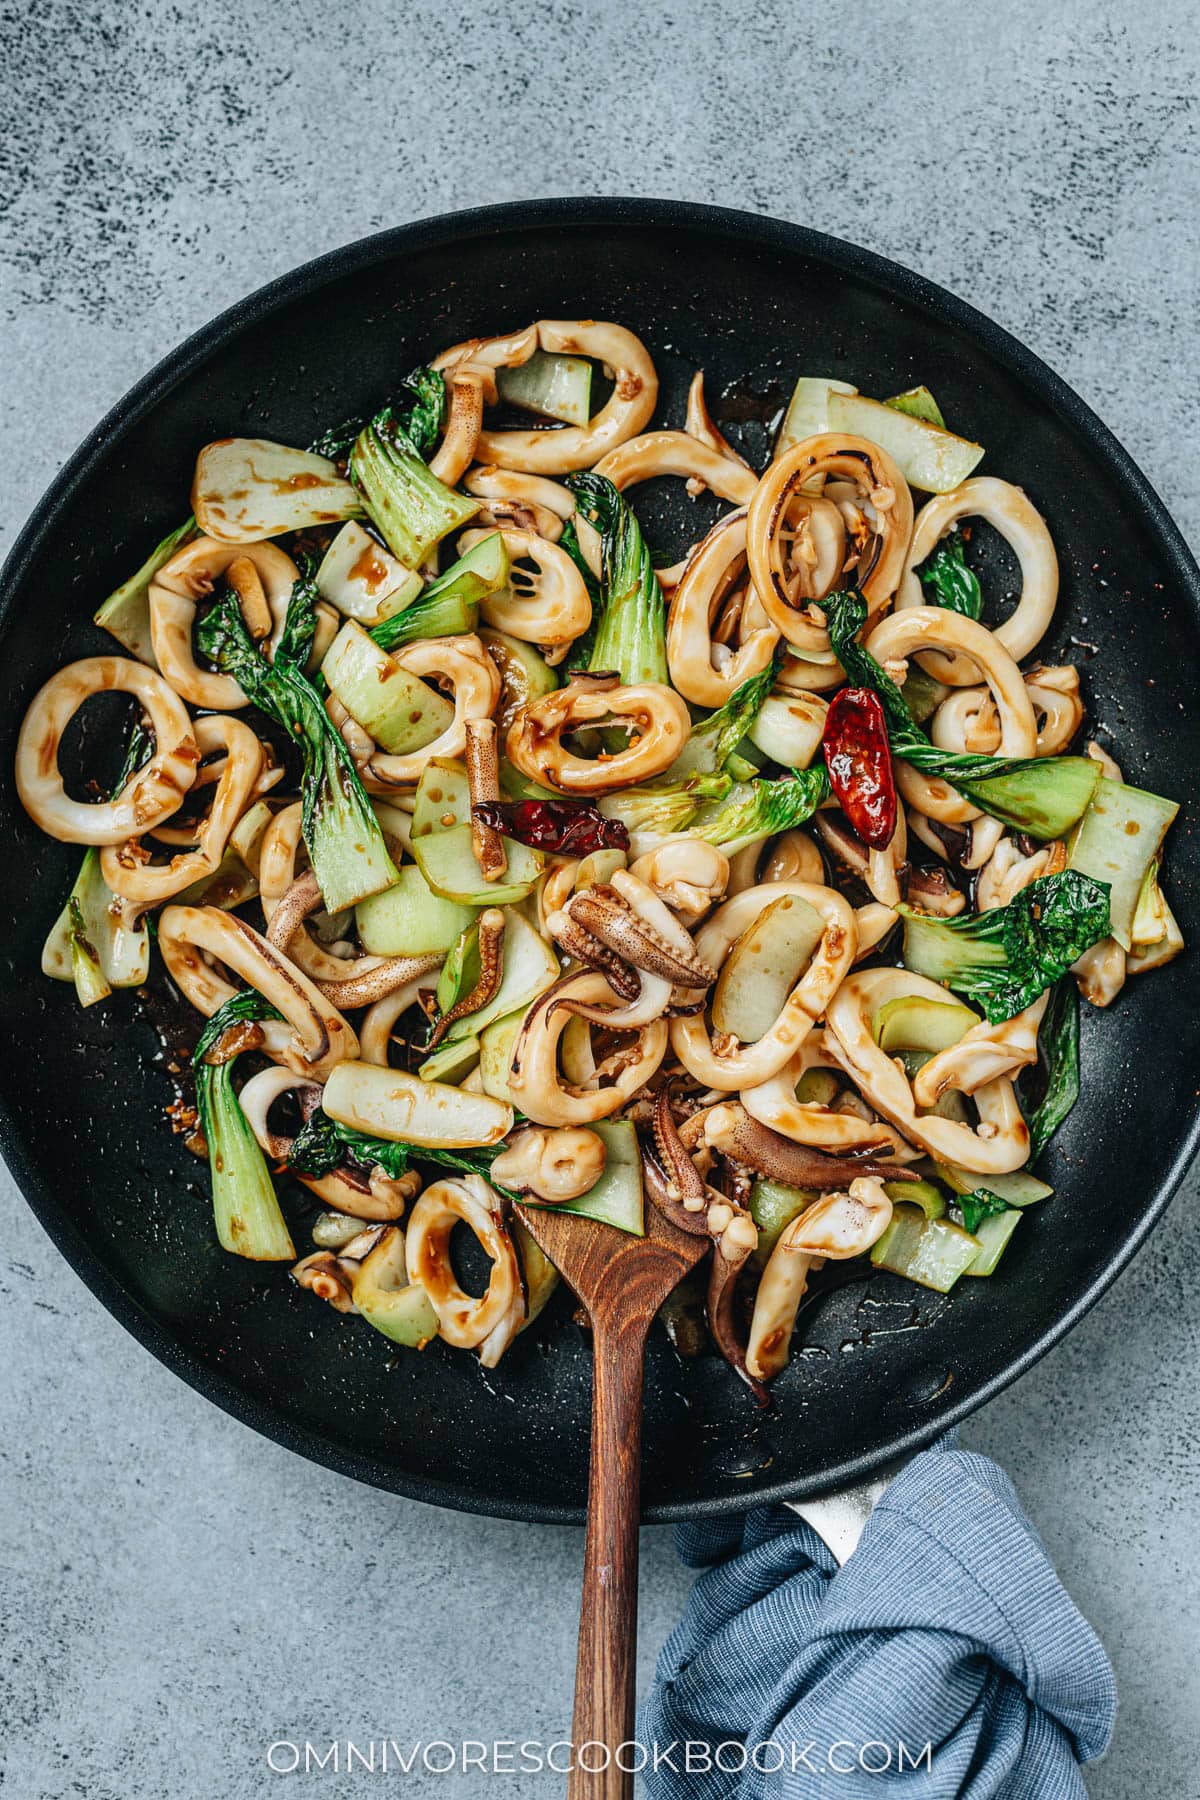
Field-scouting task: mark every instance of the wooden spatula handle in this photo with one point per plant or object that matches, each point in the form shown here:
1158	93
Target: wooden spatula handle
606	1667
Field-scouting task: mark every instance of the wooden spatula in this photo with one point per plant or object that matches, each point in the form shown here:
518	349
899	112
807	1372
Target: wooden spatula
622	1281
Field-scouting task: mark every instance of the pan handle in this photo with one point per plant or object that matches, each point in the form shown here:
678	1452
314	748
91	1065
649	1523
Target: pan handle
840	1519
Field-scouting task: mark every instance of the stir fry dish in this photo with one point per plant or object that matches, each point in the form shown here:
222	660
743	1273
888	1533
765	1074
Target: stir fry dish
503	867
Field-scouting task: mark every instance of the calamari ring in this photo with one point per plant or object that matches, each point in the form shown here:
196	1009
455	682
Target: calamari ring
550	607
838	1226
1000	1142
464	420
379	1196
658	453
1012	513
773	1103
982	1054
547	1096
126	867
709	574
689	876
375	1026
627	410
903	634
751	1064
967	719
463	662
521	502
486	355
148	797
487	1322
657	714
191	575
312	1037
792	485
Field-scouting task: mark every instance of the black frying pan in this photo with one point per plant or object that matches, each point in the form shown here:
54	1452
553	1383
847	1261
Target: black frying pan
884	1365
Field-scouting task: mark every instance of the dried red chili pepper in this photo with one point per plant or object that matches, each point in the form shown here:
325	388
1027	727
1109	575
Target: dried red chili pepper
859	759
572	827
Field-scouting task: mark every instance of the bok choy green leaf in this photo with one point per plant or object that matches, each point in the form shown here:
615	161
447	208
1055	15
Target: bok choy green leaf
630	625
1005	958
245	1205
345	845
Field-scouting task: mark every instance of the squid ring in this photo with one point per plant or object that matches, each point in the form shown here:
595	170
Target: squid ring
191	575
378	1197
788	493
486	355
627	410
774	1103
837	1226
658	453
534	1081
749	1065
657	714
967	719
522	502
375	1026
903	634
1000	1142
708	576
126	867
551	606
463	662
982	1054
487	1322
147	798
312	1037
1018	521
463	422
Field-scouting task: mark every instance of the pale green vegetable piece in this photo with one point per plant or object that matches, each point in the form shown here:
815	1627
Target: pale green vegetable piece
385	1297
764	966
929	458
409	919
931	1252
387	1103
555	387
126	612
616	1198
529	967
914	1023
247	489
1118	840
808	409
362	578
993	1234
452	1061
401	712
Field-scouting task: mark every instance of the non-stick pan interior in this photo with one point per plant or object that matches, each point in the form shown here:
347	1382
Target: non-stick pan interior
882	1362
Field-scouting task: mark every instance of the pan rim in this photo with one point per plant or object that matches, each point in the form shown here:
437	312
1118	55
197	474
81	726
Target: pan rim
750	232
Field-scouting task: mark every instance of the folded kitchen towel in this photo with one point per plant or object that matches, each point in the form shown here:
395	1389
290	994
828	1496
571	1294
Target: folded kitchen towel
945	1659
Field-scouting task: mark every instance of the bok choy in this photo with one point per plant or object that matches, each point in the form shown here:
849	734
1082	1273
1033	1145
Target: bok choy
245	1204
345	844
412	508
630	631
322	1144
1005	958
98	940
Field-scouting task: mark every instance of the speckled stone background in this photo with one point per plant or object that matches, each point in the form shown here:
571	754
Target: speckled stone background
176	1592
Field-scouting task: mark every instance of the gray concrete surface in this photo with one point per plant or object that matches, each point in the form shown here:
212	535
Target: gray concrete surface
177	1594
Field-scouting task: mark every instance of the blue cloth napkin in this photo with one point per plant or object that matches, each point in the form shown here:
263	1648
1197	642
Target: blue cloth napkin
946	1628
